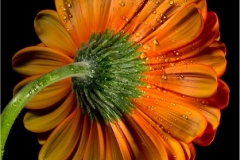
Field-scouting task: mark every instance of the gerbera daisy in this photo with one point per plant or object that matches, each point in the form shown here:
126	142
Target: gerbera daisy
152	85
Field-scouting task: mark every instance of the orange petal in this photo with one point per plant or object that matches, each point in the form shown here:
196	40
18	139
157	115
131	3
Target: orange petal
212	57
84	129
192	151
121	12
48	96
191	80
173	118
41	45
205	39
221	98
154	14
189	150
51	32
63	139
181	29
117	145
206	107
146	137
172	145
113	148
219	45
95	146
81	18
206	139
129	139
45	120
38	60
202	6
42	137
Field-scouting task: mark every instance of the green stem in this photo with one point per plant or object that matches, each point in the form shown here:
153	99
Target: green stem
14	107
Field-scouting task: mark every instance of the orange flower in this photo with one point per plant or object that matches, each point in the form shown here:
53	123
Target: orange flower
175	97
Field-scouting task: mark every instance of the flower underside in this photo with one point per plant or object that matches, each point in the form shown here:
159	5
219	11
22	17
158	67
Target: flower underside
115	72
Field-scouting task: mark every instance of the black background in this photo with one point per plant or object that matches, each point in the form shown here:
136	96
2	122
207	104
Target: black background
17	32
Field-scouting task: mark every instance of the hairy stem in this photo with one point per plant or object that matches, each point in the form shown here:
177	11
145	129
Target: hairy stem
14	107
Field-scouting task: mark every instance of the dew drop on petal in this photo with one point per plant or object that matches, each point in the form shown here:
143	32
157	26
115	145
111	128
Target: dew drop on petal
63	8
143	55
69	5
164	17
164	77
122	3
155	42
171	2
125	18
189	113
172	64
146	47
177	53
138	34
153	28
64	17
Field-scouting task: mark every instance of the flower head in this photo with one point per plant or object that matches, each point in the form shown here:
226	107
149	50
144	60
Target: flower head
153	86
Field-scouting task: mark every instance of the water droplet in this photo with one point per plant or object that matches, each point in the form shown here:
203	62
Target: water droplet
68	29
146	47
70	16
143	55
30	92
164	76
177	53
153	28
69	5
171	2
167	60
159	20
154	12
186	117
125	18
164	17
43	156
122	3
188	112
63	8
64	17
138	34
155	42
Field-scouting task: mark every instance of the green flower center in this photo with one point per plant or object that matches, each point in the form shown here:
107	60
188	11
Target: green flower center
115	72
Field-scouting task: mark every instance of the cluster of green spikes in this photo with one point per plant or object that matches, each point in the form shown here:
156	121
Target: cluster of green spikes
115	73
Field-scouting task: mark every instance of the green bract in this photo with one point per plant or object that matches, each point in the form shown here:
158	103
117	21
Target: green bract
115	72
